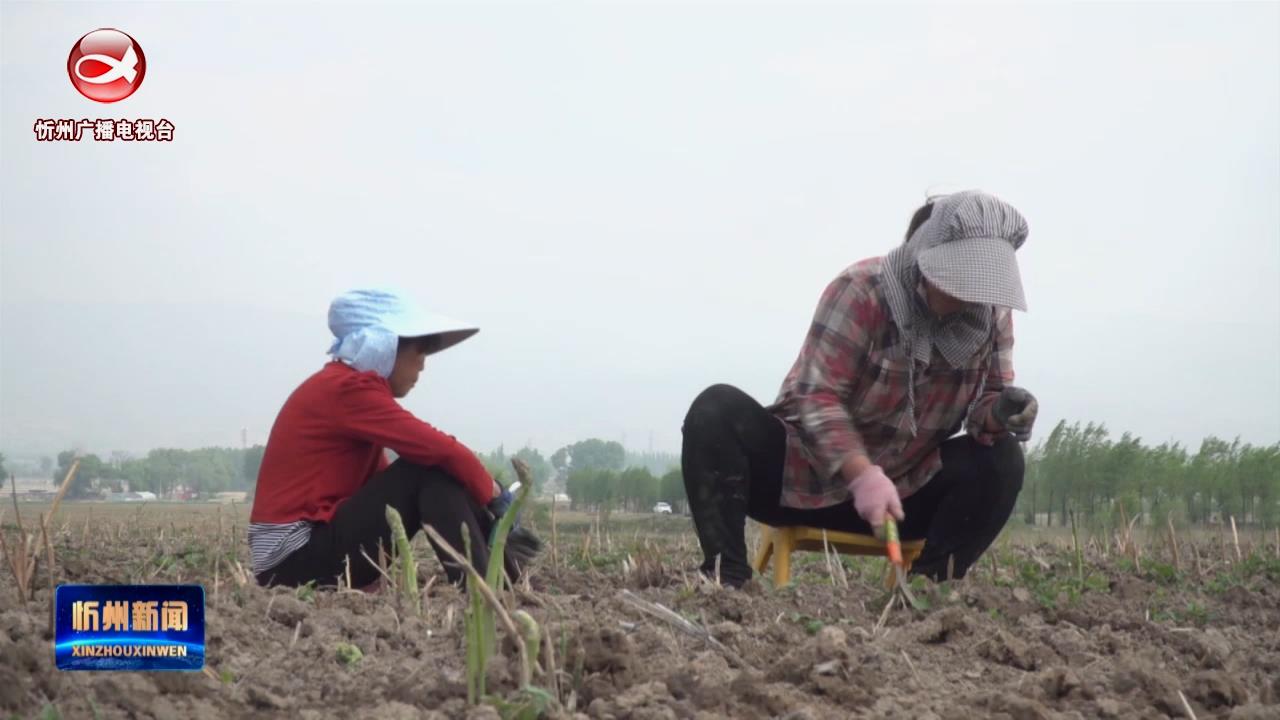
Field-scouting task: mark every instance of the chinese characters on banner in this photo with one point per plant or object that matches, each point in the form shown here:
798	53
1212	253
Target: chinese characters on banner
114	615
104	130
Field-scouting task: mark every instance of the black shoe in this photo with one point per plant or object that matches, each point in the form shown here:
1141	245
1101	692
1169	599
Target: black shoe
730	575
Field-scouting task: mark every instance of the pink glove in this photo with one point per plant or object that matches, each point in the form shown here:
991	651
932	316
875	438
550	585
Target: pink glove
874	495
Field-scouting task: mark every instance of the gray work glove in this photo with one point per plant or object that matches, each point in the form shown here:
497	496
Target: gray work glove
523	546
1016	410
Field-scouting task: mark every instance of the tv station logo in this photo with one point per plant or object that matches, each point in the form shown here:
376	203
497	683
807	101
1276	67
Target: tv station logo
106	66
129	627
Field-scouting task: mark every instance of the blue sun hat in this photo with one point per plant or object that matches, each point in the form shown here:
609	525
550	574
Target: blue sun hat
368	325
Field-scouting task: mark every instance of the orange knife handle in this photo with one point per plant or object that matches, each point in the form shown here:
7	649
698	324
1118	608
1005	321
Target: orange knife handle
892	542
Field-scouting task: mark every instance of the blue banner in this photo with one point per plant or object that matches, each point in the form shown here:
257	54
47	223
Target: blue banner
129	627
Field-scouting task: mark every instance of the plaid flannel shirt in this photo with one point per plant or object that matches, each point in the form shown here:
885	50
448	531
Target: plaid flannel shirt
847	394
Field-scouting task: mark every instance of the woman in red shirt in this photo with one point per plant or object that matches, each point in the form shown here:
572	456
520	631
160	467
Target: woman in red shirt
325	481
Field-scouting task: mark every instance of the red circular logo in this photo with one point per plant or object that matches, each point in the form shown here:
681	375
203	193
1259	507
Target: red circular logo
106	65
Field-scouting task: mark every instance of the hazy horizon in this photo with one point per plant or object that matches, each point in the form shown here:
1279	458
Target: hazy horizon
631	202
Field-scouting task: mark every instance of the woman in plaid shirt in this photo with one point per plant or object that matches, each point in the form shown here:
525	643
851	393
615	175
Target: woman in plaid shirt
904	351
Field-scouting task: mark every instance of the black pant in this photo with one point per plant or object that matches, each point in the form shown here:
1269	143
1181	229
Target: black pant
732	462
422	496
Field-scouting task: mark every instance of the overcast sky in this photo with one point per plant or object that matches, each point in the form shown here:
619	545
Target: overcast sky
632	202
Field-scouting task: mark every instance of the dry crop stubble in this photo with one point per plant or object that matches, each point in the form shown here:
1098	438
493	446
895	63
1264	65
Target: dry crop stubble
1050	626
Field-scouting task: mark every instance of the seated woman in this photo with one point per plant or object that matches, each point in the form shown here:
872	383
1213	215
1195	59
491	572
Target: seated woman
903	352
325	481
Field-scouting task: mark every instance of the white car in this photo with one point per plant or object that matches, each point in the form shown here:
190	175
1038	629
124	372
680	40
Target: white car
662	508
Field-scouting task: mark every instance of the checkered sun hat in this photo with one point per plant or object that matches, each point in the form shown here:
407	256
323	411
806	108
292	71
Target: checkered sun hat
967	246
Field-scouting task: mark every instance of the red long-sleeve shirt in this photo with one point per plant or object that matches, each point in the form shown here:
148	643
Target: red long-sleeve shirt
328	440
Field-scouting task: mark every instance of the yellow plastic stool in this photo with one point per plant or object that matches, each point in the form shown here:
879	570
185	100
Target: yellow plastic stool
783	541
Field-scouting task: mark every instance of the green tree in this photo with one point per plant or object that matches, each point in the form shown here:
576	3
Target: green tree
162	470
252	464
560	459
1255	477
657	463
637	489
132	472
539	469
91	470
671	490
578	487
604	489
592	489
211	470
592	453
1166	465
1205	476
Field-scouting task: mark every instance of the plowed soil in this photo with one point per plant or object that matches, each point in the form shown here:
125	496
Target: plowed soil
988	646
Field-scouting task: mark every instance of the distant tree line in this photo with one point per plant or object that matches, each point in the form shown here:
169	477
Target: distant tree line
1086	471
658	463
595	466
598	474
204	471
1080	469
632	489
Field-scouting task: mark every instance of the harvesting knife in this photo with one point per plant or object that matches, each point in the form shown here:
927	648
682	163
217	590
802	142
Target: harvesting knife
893	545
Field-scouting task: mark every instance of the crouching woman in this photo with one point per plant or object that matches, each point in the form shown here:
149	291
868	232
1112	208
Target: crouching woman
319	511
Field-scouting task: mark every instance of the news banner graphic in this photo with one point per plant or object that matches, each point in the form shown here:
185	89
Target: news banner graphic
106	66
129	627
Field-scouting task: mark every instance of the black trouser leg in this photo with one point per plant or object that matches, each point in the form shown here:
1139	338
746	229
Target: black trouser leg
731	443
422	496
732	461
968	502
